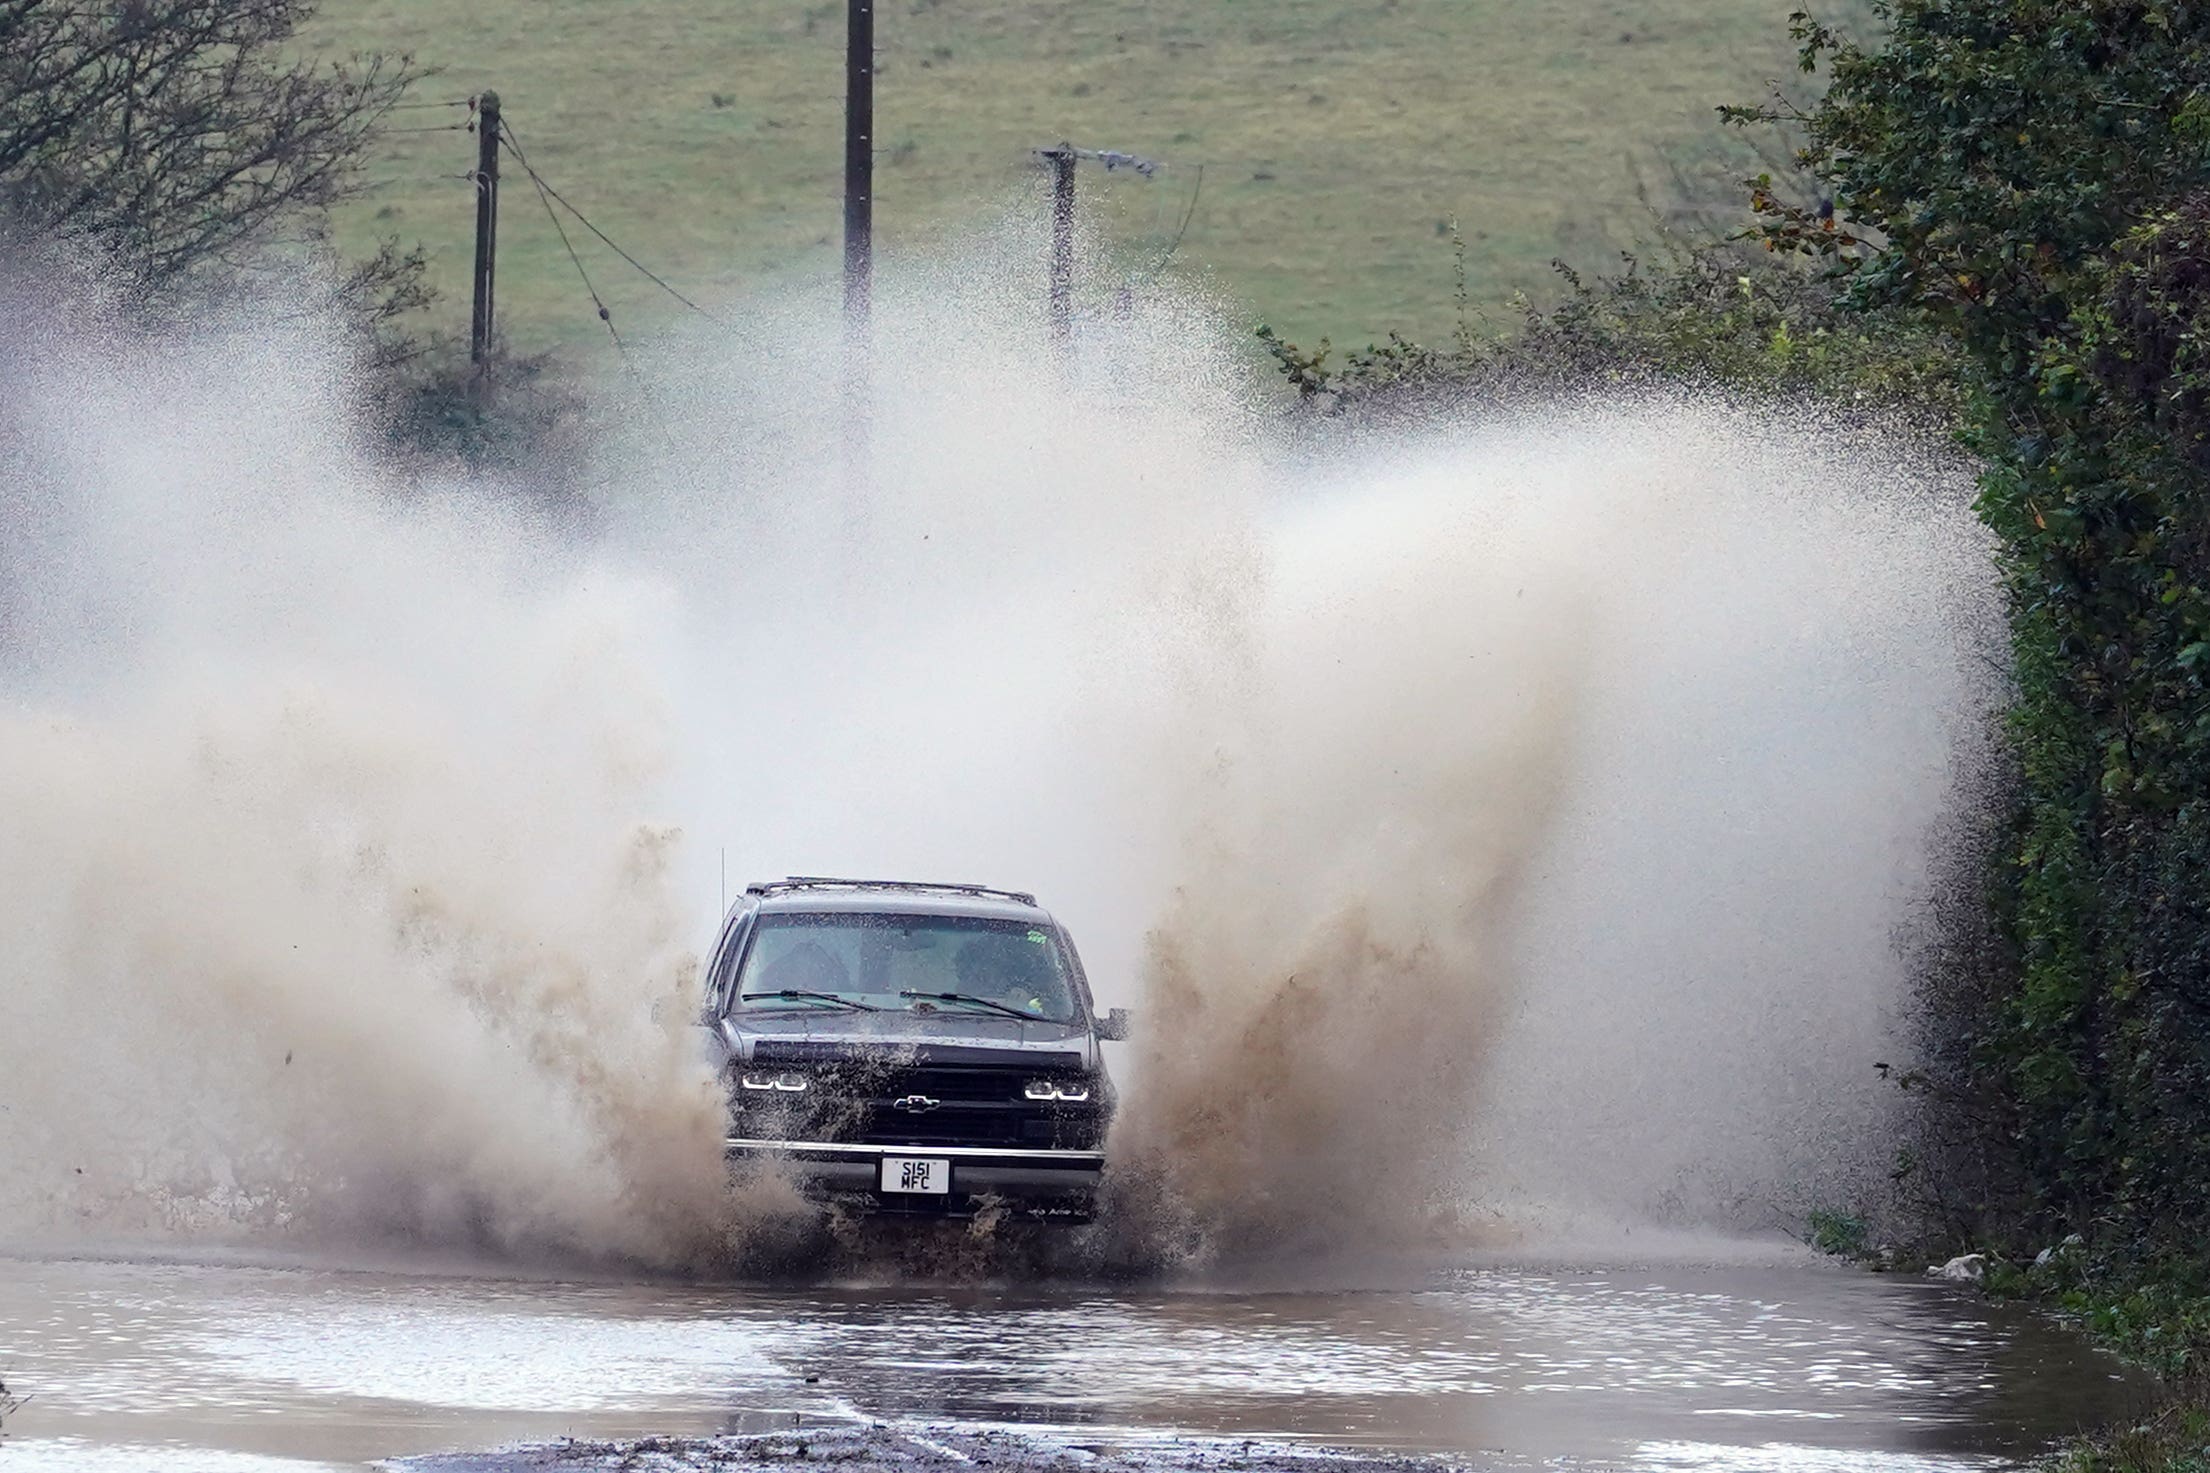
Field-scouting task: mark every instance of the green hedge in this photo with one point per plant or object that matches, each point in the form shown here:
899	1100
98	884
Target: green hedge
1710	314
2009	223
2030	176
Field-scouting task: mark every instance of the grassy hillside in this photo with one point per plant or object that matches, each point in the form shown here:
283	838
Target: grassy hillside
1335	136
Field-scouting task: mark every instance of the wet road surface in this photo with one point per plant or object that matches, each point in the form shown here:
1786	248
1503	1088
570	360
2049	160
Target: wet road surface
212	1367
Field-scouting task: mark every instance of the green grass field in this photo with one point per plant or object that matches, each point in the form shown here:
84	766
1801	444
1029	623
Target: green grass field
1336	138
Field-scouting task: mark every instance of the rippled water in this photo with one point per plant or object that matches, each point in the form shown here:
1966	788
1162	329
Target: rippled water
1779	1364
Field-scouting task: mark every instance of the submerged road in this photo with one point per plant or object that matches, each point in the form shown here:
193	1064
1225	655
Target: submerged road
1778	1363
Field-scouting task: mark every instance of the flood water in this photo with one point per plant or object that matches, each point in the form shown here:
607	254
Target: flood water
1779	1363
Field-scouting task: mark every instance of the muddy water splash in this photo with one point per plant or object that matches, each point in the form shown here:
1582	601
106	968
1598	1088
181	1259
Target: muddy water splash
346	884
334	901
1553	873
1330	971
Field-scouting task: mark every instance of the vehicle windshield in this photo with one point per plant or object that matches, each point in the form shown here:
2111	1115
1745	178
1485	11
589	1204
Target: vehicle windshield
957	963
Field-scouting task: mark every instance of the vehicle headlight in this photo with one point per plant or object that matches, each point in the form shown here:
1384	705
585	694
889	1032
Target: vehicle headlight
775	1081
1051	1089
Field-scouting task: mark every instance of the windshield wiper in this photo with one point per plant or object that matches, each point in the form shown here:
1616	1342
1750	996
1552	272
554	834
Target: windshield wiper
980	1002
792	994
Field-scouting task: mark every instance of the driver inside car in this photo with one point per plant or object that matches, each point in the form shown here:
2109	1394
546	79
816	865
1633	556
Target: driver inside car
988	968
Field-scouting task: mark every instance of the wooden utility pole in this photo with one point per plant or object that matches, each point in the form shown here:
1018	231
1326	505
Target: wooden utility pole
1062	242
487	222
859	156
859	234
1063	158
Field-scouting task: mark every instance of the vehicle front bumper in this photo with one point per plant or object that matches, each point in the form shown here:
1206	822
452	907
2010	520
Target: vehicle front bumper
1037	1182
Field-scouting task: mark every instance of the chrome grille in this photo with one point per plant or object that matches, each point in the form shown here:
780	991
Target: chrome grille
894	1102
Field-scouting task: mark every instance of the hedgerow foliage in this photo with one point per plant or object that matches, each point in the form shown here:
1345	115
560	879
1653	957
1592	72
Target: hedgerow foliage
2033	176
1709	313
2013	219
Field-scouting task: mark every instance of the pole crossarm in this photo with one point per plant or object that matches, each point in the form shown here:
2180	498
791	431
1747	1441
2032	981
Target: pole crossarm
1112	158
1061	158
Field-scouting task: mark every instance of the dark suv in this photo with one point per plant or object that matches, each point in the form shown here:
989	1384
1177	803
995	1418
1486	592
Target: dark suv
912	1047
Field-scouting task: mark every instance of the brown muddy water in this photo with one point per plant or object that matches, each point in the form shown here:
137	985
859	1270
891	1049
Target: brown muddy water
1770	1361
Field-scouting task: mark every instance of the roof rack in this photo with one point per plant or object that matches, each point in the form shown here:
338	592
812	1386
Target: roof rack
917	887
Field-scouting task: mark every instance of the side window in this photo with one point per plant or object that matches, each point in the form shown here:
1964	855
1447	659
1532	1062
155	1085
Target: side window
725	964
1074	969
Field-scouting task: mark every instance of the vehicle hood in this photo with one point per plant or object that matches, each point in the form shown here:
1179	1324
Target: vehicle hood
948	1037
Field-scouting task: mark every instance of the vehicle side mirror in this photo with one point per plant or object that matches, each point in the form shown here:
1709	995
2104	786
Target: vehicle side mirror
1113	1027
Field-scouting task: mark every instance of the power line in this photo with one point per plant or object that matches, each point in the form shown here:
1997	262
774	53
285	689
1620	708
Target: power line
1181	230
543	199
506	136
515	147
388	182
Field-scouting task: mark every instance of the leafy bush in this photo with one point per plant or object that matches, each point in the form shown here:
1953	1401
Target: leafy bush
1843	1234
1709	314
2012	226
525	420
2027	176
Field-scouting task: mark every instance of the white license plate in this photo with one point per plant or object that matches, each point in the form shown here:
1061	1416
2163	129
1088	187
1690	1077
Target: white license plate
931	1176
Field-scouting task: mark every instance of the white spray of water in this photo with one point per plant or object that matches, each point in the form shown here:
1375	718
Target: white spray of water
1518	816
1550	877
333	900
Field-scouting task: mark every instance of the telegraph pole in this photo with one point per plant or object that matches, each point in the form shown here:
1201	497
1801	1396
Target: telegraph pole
1062	243
487	222
859	232
859	157
1062	158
